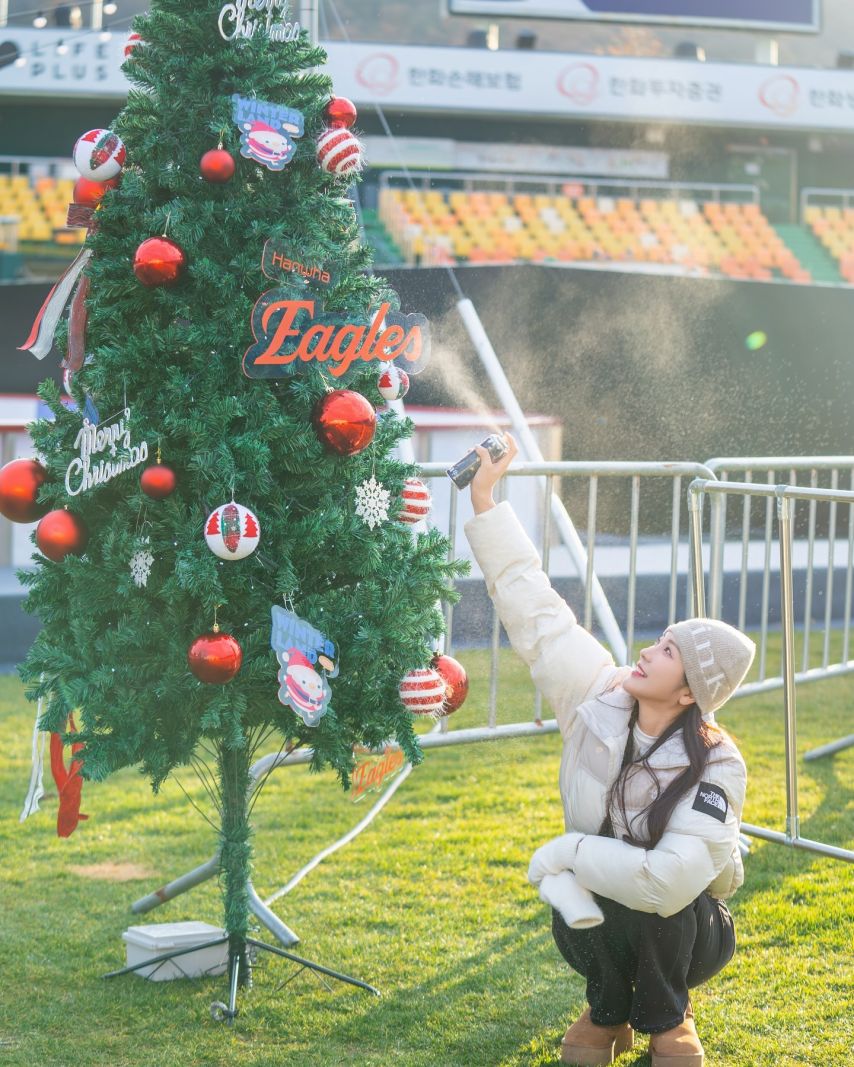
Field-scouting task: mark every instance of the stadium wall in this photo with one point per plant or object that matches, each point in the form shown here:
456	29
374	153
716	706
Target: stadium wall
635	366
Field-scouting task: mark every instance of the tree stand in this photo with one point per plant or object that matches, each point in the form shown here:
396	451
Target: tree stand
241	900
240	970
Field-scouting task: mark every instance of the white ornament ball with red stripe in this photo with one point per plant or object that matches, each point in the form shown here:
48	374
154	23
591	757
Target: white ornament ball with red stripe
393	383
417	502
422	691
99	155
339	151
232	531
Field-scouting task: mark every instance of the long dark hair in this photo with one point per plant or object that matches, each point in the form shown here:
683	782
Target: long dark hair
699	738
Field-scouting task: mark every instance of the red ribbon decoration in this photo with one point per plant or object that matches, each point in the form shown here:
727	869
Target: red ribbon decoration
69	784
77	327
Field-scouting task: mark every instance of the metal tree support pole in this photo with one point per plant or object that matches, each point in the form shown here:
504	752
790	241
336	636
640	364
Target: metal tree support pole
787	614
564	524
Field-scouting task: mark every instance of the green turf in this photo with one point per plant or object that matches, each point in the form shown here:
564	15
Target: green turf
430	904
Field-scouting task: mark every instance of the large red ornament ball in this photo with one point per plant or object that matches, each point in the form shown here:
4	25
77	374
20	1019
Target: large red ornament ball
214	658
340	113
453	674
217	166
339	152
422	691
158	481
345	421
20	482
89	193
61	533
99	154
159	261
417	502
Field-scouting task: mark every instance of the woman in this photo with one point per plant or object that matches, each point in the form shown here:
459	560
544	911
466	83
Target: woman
652	793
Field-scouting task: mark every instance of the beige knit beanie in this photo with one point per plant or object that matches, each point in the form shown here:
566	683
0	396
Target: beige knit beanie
716	657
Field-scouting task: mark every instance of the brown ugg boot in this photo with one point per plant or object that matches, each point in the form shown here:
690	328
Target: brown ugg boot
679	1047
588	1045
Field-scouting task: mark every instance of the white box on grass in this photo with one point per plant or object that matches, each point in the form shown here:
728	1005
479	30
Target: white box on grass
146	942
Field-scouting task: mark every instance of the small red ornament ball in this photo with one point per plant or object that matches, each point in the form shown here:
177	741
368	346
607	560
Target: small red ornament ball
340	113
214	658
20	482
158	481
61	533
89	193
217	165
345	421
453	674
159	261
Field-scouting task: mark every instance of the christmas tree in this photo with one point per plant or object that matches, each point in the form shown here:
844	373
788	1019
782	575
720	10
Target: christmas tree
235	592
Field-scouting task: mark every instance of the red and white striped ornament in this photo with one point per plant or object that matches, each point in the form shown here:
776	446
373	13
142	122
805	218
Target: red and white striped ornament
393	383
339	151
133	40
417	502
422	691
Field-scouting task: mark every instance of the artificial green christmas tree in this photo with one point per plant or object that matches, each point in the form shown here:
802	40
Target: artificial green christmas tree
234	326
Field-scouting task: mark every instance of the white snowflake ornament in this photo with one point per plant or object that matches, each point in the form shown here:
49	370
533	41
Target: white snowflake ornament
372	502
141	563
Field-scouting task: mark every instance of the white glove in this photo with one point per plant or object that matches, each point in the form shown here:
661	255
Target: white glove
554	856
575	903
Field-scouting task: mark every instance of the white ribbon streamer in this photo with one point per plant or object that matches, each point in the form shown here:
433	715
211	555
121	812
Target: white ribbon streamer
36	790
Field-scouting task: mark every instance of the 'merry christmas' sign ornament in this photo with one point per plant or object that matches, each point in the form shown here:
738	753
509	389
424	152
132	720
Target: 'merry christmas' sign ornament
81	475
234	24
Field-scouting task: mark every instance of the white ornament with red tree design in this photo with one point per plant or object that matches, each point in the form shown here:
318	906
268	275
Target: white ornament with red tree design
232	531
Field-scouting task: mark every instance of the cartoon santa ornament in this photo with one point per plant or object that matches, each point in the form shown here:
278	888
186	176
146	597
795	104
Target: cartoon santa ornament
302	688
267	131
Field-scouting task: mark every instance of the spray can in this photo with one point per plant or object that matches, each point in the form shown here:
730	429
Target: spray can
465	469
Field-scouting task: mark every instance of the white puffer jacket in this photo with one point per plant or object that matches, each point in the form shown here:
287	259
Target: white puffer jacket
699	848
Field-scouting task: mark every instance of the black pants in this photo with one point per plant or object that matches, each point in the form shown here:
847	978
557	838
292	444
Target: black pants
639	966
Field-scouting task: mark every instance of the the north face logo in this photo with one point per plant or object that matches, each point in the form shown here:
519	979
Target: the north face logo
711	801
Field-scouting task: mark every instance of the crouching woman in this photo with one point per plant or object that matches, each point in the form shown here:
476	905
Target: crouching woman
652	792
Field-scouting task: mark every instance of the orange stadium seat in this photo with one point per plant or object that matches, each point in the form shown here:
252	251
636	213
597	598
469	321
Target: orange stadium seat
735	240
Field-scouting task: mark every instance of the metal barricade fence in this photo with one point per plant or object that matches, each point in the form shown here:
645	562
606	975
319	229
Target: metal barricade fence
787	498
674	546
684	548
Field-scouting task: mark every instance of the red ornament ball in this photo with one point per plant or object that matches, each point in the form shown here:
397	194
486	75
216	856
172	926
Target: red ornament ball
89	193
340	113
61	533
217	166
417	502
20	482
159	261
214	658
453	674
345	421
158	481
422	691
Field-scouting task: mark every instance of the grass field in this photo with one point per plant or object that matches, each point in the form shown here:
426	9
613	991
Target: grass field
430	904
